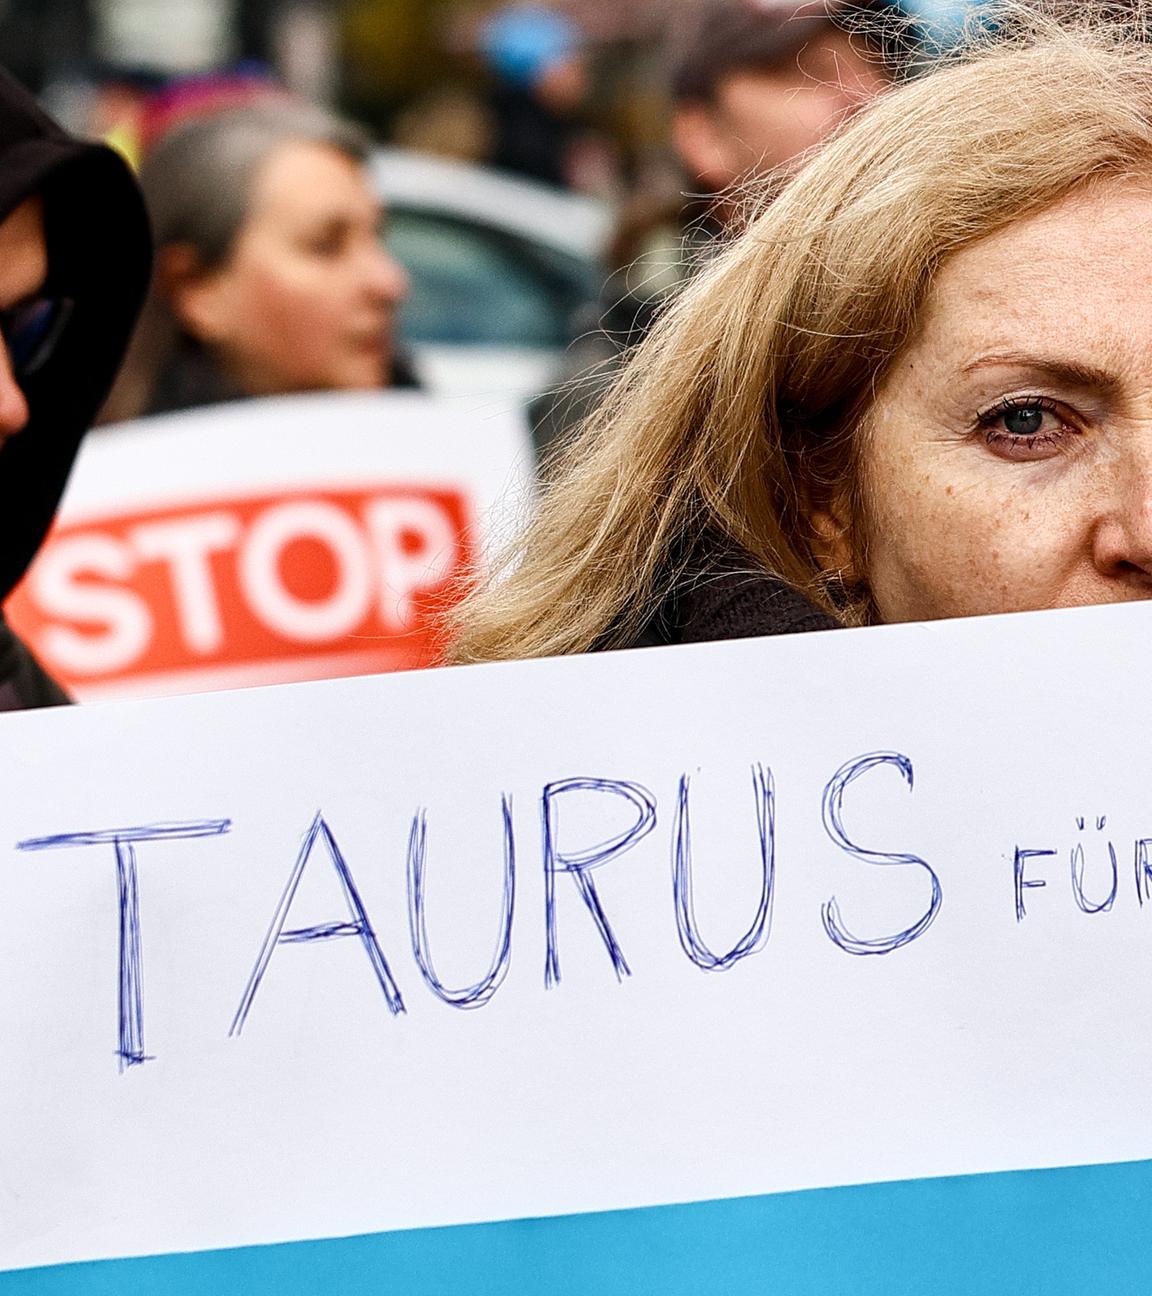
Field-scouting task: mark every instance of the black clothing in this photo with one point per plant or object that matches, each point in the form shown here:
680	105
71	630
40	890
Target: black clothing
192	379
99	257
729	597
24	683
529	138
189	380
656	251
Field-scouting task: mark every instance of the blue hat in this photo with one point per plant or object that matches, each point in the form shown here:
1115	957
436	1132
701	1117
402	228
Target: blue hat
521	43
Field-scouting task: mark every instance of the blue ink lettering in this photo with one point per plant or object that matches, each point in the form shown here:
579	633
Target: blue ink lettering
1022	883
756	937
1142	863
130	1048
1077	861
581	863
359	926
834	827
474	996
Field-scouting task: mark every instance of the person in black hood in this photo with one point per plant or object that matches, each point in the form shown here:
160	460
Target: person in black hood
74	265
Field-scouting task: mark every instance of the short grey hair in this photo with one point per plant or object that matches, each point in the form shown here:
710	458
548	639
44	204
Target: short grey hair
198	179
198	183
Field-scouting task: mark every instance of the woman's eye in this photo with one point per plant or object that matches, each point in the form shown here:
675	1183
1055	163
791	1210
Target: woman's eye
1025	429
1024	422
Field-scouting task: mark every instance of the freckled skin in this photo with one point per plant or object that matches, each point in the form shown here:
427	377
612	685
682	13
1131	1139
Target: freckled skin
967	513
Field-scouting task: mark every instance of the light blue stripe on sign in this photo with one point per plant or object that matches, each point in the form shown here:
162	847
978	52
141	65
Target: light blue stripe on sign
1045	1232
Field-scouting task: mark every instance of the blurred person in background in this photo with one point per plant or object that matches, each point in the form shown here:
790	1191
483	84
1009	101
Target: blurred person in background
116	108
177	100
74	262
754	85
270	275
541	81
132	107
916	386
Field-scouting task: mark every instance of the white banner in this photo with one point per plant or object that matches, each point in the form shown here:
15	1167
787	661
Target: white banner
575	935
263	542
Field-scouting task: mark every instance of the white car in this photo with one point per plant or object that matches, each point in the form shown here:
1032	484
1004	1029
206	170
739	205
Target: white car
501	269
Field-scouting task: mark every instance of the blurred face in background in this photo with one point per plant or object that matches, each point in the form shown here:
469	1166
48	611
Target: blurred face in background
760	119
563	84
308	297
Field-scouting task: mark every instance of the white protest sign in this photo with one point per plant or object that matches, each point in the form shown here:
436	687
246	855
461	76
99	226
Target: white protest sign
263	542
575	935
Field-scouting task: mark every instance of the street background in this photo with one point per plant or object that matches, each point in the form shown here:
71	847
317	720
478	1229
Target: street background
546	185
410	69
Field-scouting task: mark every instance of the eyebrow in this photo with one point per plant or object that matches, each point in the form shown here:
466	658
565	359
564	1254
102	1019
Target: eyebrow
345	217
1076	373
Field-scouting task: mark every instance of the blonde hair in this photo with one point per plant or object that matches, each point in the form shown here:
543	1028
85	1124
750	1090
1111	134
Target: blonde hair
744	409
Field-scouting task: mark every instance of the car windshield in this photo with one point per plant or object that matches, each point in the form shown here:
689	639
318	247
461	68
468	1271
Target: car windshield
472	284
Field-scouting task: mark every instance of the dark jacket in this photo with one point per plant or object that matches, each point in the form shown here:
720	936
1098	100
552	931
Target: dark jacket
191	378
528	138
98	257
727	596
655	250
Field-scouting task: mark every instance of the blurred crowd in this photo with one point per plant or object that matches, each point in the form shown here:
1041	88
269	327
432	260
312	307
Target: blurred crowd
501	214
273	269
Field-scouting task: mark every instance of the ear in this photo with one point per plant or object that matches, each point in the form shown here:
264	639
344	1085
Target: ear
832	546
199	298
704	148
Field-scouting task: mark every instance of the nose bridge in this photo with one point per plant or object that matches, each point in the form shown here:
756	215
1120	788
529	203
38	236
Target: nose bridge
1124	517
1138	517
1132	469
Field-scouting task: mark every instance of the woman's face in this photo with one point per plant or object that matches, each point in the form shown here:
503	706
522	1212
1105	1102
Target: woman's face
1007	464
308	297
